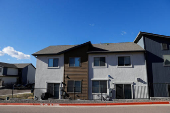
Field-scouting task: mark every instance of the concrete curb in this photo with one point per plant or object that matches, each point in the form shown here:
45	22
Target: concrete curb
86	104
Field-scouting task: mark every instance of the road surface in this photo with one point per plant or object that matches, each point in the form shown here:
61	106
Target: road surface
111	109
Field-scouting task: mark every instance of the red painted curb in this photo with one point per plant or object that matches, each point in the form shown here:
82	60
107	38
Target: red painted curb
86	104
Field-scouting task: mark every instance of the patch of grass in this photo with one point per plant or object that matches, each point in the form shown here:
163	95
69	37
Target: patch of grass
20	96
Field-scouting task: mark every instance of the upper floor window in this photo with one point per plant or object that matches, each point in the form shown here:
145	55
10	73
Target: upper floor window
74	62
99	61
74	86
164	46
124	61
53	62
166	60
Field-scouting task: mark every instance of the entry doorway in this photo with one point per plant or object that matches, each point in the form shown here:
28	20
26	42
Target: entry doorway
53	90
123	91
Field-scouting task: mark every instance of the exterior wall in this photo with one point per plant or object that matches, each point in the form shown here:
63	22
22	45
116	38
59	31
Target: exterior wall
141	42
77	73
9	80
31	74
44	74
120	75
12	71
24	75
157	72
1	73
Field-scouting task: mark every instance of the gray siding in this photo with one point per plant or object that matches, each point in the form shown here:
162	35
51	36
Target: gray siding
141	43
24	75
157	72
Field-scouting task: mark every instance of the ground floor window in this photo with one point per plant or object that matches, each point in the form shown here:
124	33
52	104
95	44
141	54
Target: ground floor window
123	91
53	90
99	86
74	86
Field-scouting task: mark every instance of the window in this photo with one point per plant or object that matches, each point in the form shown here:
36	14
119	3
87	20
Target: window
74	62
99	86
164	46
124	61
53	62
0	69
99	61
74	86
166	60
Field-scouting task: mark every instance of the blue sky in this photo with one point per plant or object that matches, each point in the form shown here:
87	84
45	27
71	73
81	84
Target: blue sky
27	26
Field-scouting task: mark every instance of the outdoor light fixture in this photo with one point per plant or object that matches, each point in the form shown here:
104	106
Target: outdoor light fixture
67	77
138	79
63	83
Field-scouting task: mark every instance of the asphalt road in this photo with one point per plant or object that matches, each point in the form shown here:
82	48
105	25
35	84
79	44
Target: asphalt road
112	109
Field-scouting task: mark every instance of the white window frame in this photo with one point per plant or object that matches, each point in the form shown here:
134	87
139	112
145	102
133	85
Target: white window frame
99	66
164	61
124	56
132	90
99	79
53	58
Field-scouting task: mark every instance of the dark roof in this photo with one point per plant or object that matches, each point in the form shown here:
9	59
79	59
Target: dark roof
140	34
104	47
116	47
51	50
19	65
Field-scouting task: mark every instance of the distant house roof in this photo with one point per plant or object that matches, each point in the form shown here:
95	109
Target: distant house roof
19	65
104	47
140	34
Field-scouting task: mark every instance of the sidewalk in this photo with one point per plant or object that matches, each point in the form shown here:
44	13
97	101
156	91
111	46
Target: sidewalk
86	104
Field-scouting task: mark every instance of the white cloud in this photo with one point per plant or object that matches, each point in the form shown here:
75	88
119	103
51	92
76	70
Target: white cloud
13	53
1	53
8	59
123	33
92	25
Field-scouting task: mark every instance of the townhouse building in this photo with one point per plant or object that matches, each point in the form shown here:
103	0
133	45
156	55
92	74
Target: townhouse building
157	52
89	71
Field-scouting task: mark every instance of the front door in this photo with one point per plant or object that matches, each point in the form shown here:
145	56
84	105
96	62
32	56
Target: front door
123	91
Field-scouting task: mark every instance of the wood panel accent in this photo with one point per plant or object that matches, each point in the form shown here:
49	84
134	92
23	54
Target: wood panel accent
77	73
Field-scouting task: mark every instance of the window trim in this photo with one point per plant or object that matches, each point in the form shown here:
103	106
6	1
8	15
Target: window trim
53	62
74	86
99	83
99	66
124	56
162	47
164	62
74	62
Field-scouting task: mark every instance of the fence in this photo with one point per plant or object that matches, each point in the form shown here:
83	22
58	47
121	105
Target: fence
86	93
159	89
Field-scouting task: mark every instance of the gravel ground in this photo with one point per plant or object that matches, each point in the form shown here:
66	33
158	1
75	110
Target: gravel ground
15	100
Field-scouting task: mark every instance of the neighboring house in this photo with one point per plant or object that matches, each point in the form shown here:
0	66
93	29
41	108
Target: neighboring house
118	69
16	73
158	62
